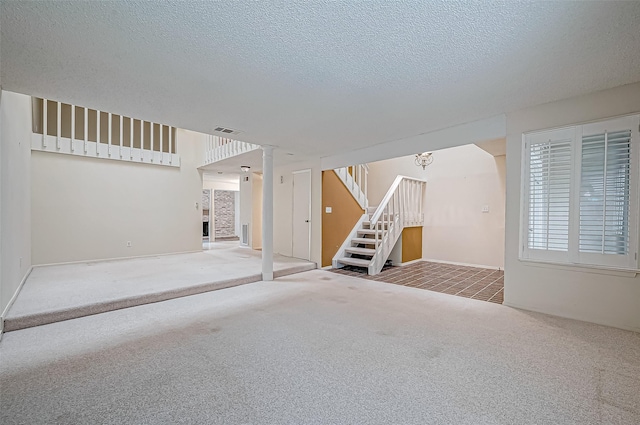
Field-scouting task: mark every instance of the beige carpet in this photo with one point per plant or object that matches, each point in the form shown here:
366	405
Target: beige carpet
320	348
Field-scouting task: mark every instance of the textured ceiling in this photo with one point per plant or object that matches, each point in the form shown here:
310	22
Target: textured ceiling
317	78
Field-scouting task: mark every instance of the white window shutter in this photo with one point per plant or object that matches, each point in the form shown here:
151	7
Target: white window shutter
581	194
549	168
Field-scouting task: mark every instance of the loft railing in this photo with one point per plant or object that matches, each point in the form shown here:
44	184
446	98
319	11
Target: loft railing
218	148
69	129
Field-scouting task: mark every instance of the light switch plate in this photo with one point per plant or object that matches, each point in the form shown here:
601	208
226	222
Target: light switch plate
328	210
485	208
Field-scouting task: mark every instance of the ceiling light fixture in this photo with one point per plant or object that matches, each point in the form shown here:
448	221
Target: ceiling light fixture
245	168
423	159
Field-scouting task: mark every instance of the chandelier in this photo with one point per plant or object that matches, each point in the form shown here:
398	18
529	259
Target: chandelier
423	159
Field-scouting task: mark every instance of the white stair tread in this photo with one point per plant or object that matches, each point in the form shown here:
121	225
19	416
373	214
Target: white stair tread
367	231
354	261
369	241
360	251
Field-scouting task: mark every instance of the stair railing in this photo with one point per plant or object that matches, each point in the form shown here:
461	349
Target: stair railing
218	148
402	206
356	180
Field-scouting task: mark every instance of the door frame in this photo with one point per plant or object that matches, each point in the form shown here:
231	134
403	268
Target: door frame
306	170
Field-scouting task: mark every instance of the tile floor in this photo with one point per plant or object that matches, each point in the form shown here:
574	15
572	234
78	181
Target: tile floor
463	281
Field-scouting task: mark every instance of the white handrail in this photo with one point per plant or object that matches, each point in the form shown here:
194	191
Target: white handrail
355	178
218	148
400	207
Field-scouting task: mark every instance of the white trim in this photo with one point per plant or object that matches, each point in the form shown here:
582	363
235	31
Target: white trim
407	263
456	263
100	150
115	258
573	257
13	299
306	170
577	267
589	319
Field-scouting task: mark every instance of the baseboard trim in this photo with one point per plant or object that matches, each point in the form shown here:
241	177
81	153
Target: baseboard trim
100	260
13	299
408	263
572	317
455	263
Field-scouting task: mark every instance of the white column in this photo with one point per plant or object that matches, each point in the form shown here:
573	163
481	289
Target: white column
267	213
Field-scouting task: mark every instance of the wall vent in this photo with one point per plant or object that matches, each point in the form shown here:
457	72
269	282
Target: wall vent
245	235
226	130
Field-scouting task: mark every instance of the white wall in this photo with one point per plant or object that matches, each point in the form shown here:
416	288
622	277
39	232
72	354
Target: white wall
246	205
88	208
283	209
256	211
580	293
15	197
461	180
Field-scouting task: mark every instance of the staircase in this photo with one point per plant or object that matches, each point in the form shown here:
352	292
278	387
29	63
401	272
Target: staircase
373	237
355	178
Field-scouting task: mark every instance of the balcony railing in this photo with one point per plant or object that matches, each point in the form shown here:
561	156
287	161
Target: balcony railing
69	129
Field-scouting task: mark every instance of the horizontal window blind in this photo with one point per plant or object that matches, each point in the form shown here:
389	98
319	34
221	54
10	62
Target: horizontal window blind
549	195
605	193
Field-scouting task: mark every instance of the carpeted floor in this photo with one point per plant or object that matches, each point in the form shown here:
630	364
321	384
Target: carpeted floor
320	348
61	292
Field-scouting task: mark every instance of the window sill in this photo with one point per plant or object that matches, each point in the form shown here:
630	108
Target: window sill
584	268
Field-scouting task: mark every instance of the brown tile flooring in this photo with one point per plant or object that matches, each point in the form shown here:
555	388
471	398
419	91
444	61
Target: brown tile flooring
463	281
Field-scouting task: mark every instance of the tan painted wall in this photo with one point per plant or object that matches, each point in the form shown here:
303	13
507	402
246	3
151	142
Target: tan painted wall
411	243
576	292
88	208
345	214
461	181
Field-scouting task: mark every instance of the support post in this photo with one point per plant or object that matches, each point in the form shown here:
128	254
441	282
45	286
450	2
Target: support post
267	213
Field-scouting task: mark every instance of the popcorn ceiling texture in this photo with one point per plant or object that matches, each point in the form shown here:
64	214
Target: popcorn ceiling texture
320	77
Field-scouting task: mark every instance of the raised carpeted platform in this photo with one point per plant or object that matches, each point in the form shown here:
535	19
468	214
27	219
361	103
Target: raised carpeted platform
55	293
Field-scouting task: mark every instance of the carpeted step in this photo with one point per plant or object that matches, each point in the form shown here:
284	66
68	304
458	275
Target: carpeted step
14	323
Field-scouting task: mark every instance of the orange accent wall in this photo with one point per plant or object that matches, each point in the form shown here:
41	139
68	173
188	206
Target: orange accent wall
411	243
345	214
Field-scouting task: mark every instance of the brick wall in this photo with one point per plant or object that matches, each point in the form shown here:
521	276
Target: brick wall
225	213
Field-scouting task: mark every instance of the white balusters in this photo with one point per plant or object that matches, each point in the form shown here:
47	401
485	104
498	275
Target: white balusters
170	144
45	120
109	123
59	124
141	140
86	129
73	127
151	125
131	120
161	151
120	122
98	133
66	142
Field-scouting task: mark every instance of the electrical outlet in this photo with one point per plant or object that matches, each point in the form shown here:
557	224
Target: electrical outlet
128	244
485	208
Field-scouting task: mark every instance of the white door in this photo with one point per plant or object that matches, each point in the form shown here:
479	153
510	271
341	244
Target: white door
302	214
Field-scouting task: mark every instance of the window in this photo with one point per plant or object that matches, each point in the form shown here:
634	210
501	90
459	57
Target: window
580	194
